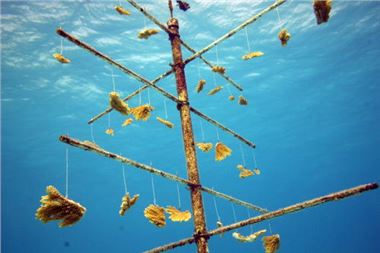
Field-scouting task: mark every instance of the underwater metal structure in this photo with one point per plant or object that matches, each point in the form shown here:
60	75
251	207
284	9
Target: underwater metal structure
201	234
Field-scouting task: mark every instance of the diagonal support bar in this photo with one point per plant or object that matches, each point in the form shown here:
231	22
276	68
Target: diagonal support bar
89	146
147	83
235	30
274	214
164	28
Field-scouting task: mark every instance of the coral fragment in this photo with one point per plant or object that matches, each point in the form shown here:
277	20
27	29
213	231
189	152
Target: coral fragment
110	131
127	202
122	11
251	55
127	122
248	238
271	243
156	215
284	36
61	58
176	215
219	69
215	90
118	104
243	100
204	146
142	112
322	10
221	151
146	33
244	172
165	122
200	85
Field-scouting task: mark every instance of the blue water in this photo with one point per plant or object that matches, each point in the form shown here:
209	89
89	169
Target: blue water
313	113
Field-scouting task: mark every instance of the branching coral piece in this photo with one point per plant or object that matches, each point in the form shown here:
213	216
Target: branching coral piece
61	58
271	243
243	100
219	69
110	131
252	55
156	215
204	146
127	202
142	112
322	10
176	215
257	171
244	172
200	85
127	122
249	238
165	122
215	90
284	36
118	104
55	206
146	33
122	11
221	151
231	98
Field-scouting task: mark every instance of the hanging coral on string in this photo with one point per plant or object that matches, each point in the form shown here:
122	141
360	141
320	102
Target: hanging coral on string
122	11
215	90
127	202
61	58
244	172
165	122
252	55
249	238
156	215
118	104
257	171
219	69
284	36
243	100
204	146
142	112
271	243
176	215
221	151
322	10
110	131
54	206
231	98
183	5
127	122
146	33
200	85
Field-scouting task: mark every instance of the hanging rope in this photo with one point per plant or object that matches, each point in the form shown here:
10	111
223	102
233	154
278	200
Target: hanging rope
166	109
179	196
153	190
242	154
109	120
67	173
216	209
119	3
199	69
250	226
254	159
148	92
270	227
246	35
140	98
113	80
217	134
279	19
61	52
92	133
217	55
124	179
233	213
202	132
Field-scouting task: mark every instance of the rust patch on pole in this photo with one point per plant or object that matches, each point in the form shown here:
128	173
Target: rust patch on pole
188	138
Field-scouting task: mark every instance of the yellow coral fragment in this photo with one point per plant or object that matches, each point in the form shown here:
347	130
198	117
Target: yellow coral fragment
142	112
204	146
244	172
61	58
122	11
156	215
215	90
322	10
165	122
55	206
110	131
284	36
219	69
252	55
118	104
127	202
271	243
249	238
221	151
243	100
257	171
231	98
176	215
200	85
127	122
146	33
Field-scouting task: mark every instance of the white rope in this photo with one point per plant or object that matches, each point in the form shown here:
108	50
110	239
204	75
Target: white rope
166	109
229	89
246	34
213	77
217	134
140	99
270	227
153	190
278	15
233	212
217	55
199	69
254	159
92	133
249	216
144	22
67	173
202	132
179	196
242	154
113	81
216	209
119	3
148	91
109	120
124	179
61	45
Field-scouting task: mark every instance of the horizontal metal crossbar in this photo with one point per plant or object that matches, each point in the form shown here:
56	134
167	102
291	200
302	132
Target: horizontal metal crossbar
86	145
274	214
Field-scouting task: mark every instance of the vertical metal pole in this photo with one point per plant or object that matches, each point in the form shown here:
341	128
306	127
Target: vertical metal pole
188	138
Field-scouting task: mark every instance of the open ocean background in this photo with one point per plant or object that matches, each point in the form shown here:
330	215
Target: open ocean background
314	113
